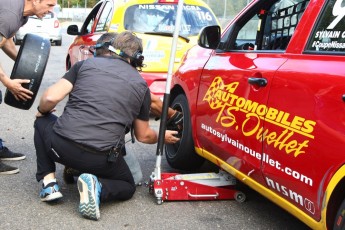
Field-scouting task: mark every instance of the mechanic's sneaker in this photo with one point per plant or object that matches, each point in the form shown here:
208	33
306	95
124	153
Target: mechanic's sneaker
50	192
69	174
7	170
6	154
90	192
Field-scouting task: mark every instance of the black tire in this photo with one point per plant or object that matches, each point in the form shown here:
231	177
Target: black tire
30	64
240	197
339	222
182	154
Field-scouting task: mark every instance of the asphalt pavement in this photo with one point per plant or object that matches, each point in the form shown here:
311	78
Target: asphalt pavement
21	208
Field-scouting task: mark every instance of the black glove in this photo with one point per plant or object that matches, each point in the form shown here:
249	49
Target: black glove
175	122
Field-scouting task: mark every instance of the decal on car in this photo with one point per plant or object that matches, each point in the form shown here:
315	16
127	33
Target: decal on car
152	53
326	42
337	11
298	198
267	159
223	97
331	37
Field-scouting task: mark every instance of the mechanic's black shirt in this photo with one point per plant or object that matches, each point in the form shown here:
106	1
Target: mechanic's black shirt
108	95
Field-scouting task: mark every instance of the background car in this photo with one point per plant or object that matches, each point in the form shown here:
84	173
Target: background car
151	20
48	26
264	101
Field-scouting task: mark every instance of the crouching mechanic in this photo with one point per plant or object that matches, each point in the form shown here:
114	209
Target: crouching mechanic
106	97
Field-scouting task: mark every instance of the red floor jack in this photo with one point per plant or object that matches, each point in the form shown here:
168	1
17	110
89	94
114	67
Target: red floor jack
198	186
174	186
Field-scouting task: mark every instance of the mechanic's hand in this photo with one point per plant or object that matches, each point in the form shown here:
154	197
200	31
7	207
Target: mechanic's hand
171	137
18	91
175	122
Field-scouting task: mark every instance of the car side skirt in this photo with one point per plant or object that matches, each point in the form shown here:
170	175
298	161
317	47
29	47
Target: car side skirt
268	193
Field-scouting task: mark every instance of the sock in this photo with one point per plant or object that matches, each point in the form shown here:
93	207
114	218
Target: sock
46	182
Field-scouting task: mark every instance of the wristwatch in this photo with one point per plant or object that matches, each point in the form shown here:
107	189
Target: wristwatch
45	113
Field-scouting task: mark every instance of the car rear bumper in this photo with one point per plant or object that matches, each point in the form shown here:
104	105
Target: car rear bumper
156	82
51	37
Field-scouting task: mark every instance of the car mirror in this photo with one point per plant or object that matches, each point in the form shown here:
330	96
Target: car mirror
209	37
73	30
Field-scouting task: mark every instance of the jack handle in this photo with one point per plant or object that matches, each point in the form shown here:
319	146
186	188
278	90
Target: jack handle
203	195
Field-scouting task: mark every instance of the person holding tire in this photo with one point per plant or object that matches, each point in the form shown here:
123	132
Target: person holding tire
13	15
106	98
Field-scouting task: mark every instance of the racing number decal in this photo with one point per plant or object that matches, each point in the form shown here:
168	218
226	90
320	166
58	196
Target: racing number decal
339	12
204	16
332	37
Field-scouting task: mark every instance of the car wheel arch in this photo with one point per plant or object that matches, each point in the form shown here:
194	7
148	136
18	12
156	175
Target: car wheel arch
182	155
336	197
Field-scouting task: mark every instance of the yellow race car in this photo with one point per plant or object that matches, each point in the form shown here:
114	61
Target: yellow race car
154	22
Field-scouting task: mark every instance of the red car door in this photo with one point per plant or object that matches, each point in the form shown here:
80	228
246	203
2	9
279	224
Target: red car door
307	94
233	94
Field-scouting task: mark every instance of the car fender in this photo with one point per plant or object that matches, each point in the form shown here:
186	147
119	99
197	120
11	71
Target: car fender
331	187
197	58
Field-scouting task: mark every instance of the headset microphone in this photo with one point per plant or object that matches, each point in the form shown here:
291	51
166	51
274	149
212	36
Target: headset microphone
136	60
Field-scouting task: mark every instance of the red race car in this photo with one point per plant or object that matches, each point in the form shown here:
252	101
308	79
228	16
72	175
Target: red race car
265	101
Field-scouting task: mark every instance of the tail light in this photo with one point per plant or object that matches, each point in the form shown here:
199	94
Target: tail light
56	24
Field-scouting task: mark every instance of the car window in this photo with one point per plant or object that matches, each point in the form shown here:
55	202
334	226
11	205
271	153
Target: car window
88	23
161	18
47	16
104	19
329	32
270	27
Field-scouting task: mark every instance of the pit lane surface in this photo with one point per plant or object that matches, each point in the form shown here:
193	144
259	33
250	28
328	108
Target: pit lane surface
21	208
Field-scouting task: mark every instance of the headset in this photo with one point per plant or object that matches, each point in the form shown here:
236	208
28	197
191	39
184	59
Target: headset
106	45
136	60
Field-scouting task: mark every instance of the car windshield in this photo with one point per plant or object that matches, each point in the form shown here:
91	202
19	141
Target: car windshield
160	18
